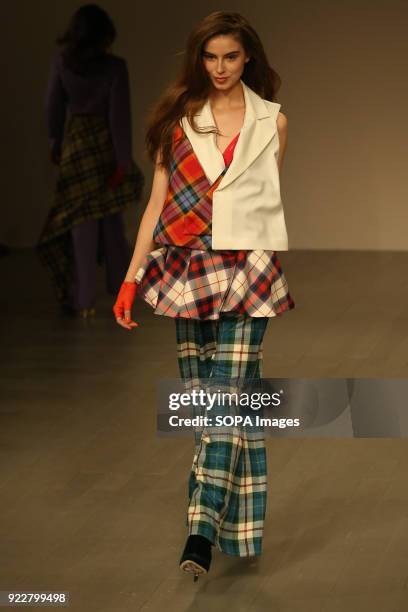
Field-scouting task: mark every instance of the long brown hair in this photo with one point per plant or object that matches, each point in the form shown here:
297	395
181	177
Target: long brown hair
84	44
187	94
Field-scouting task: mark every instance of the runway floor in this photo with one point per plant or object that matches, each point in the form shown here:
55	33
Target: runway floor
93	502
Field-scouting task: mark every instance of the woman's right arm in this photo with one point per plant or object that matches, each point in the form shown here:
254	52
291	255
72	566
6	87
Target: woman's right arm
144	244
144	241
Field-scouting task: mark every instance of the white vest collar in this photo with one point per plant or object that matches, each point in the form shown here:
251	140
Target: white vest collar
258	129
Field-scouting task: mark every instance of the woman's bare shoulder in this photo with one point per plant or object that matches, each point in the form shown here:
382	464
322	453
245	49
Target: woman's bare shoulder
282	124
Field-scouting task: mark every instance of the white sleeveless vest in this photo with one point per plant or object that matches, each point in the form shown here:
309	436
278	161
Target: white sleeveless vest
247	209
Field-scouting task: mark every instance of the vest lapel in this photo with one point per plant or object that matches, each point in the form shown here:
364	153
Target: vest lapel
258	129
203	145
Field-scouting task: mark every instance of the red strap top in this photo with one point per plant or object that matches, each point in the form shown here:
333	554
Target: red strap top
228	154
229	151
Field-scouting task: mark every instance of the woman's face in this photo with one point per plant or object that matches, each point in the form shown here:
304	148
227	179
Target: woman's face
224	59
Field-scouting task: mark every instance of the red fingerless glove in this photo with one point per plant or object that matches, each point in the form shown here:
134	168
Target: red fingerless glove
125	299
116	178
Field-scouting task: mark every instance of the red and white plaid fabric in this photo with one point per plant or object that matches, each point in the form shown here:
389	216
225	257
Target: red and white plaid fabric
186	218
194	281
199	284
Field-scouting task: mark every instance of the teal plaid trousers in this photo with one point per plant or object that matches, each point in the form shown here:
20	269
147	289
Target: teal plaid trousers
227	487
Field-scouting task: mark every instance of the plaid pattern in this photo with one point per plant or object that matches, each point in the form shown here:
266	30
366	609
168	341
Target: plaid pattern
227	488
87	161
186	278
200	284
186	218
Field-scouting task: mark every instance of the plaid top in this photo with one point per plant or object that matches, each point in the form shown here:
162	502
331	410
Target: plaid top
185	277
187	211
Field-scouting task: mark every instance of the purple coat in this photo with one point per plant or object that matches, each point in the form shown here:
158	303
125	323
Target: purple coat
106	94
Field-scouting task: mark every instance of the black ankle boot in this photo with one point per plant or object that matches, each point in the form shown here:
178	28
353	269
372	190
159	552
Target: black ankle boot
197	553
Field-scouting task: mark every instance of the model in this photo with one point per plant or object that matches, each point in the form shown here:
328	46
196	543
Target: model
205	255
97	178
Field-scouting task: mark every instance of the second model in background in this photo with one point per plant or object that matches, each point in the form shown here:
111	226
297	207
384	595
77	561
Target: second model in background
89	128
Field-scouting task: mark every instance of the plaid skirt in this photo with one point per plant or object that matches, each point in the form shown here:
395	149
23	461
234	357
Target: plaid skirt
227	486
81	194
200	284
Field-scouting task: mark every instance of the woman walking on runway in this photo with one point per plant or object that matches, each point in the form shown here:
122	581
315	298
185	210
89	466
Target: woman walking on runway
206	256
97	178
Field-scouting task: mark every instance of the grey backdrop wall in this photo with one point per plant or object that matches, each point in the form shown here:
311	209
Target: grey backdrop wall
343	65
